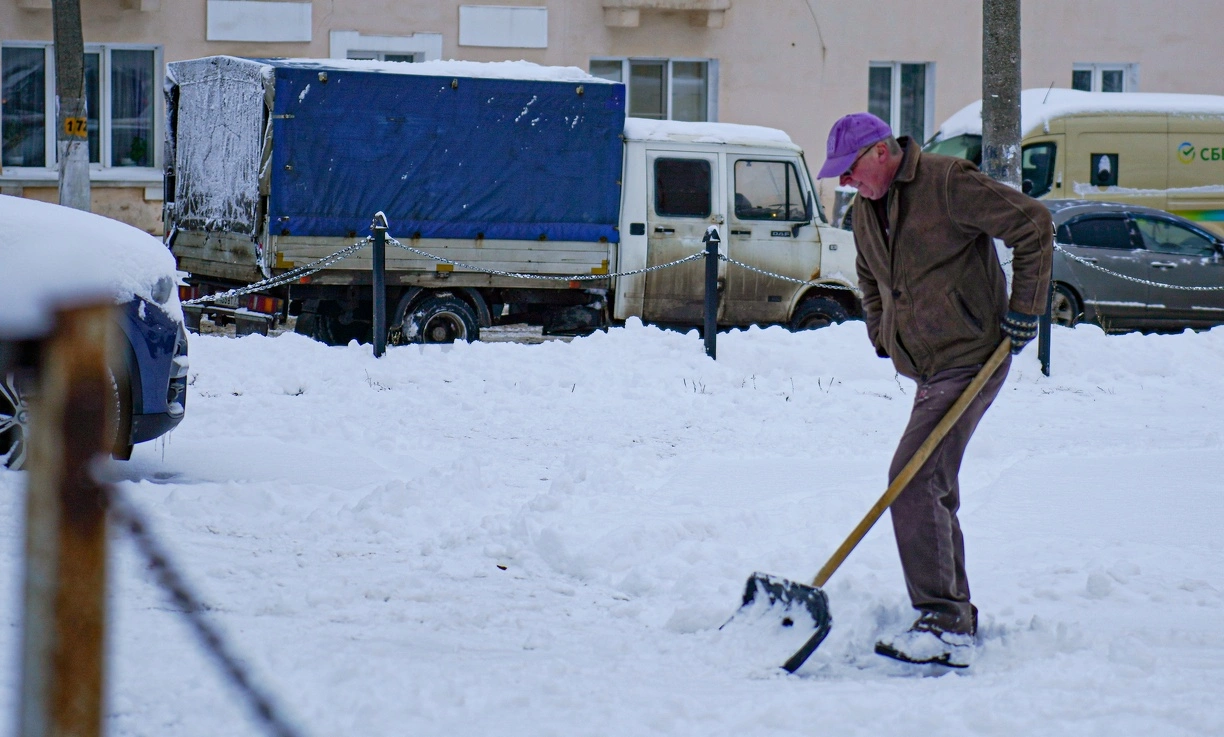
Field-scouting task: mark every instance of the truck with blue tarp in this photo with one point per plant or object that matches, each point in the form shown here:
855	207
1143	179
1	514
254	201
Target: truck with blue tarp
487	173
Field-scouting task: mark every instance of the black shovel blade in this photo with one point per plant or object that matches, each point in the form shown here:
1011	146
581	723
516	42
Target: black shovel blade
789	596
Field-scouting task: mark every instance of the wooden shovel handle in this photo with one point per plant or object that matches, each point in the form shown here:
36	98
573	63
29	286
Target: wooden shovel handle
915	464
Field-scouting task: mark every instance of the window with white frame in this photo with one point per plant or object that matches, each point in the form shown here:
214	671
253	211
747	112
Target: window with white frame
415	47
122	85
902	94
665	89
1105	77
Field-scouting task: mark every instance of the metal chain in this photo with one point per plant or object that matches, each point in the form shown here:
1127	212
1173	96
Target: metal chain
285	278
172	582
791	279
1134	279
518	275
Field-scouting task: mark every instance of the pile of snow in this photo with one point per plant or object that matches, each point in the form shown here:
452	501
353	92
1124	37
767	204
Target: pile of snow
1039	106
544	540
53	257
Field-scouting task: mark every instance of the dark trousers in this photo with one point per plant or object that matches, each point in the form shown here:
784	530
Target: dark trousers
924	515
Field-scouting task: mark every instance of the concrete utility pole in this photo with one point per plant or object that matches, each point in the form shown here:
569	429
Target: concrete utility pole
71	133
1001	90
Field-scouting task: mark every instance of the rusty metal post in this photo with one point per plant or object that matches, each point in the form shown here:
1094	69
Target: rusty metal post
65	573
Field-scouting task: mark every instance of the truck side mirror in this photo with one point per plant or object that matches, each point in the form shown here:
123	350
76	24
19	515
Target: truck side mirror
1027	186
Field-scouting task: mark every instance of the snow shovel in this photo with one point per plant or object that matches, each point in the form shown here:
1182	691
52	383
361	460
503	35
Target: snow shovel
788	595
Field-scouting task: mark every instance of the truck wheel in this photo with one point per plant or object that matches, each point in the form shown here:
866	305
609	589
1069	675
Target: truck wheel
441	318
817	312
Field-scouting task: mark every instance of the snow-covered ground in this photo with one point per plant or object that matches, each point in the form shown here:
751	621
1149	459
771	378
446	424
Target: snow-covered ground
503	539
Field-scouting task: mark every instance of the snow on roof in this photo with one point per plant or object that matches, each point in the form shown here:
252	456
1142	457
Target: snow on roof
55	256
1039	106
641	129
484	69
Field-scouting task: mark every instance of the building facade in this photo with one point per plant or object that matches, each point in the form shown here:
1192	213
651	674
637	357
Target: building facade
791	64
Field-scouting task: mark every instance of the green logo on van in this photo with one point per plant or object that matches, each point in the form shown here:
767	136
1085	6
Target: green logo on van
1185	152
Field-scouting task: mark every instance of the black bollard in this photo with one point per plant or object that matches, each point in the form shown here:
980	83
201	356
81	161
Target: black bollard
379	229
711	241
1043	333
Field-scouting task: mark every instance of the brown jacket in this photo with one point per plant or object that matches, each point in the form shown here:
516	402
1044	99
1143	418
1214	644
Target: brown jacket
934	293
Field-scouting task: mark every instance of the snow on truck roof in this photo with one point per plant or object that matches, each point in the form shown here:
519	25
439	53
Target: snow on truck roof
641	129
1039	106
524	70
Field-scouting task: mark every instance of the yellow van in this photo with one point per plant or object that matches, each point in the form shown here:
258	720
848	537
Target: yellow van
1160	150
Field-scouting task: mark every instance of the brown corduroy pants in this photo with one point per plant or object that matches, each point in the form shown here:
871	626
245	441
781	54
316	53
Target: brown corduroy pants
924	519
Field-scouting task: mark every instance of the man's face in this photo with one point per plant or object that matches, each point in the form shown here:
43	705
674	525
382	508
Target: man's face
868	174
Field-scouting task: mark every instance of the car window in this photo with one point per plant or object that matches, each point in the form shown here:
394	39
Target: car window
768	190
1167	236
1100	231
1037	168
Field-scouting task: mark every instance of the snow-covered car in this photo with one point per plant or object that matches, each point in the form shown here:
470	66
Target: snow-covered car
1128	267
54	255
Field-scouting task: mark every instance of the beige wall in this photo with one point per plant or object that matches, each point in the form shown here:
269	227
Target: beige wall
790	64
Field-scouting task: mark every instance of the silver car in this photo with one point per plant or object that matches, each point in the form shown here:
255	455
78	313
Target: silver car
1117	265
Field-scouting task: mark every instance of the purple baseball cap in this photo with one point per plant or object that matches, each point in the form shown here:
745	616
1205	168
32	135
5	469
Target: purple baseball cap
849	134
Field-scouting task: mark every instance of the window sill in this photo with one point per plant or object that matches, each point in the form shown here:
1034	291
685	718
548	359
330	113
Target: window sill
118	176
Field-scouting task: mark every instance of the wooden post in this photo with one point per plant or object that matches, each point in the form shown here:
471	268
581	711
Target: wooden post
65	573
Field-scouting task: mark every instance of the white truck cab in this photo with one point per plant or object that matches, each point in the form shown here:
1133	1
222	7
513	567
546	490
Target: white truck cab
752	184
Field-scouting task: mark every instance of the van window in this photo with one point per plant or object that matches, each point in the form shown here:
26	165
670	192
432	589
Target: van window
768	190
964	146
1037	168
682	187
1166	236
1101	231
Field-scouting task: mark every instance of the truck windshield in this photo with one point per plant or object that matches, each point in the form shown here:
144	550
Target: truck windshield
964	146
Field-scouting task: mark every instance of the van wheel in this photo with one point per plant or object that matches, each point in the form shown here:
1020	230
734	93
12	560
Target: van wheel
1065	307
818	312
441	318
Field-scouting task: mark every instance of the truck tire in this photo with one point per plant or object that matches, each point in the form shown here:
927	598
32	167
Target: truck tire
817	312
441	318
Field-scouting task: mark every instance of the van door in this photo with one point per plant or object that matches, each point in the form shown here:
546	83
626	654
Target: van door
1196	169
686	197
1118	158
771	230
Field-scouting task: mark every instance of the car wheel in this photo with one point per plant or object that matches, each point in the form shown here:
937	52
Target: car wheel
818	312
441	318
119	405
1065	307
15	392
14	420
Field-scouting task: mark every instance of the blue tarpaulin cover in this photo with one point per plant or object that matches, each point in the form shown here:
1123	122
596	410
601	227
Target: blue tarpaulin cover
443	157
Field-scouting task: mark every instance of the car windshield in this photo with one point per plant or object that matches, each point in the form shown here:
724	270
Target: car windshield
964	146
